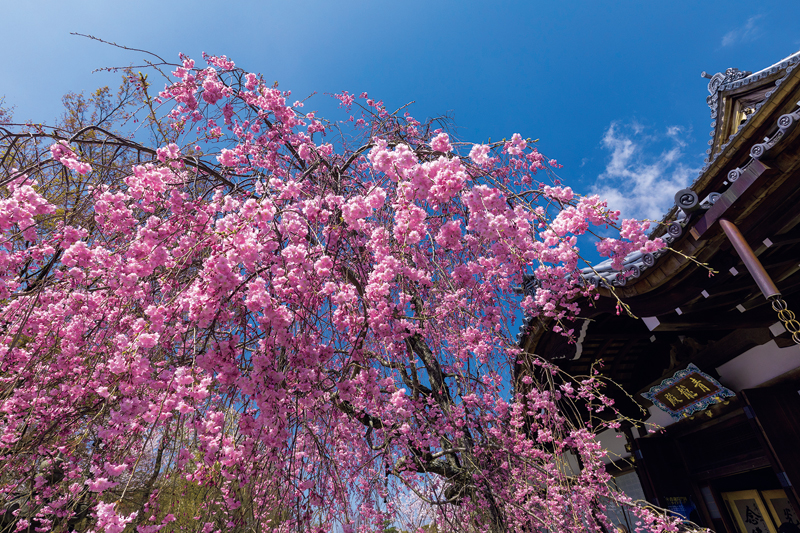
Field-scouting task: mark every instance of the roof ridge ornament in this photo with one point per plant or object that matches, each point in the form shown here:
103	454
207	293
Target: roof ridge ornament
719	79
738	78
716	84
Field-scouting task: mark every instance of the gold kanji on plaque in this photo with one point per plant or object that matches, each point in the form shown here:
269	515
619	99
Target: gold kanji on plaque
684	390
699	385
672	399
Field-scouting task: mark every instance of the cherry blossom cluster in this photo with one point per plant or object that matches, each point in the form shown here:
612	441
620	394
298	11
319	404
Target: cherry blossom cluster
62	153
310	328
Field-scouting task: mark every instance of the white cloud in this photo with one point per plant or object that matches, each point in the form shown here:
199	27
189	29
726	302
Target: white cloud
674	133
744	34
639	180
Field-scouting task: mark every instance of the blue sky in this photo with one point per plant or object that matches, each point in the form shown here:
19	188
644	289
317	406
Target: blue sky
612	89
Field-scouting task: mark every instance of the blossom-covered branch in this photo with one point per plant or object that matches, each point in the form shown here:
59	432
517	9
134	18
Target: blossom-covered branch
306	320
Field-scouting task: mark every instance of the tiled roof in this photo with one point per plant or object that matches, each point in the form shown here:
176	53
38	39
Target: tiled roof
733	79
686	200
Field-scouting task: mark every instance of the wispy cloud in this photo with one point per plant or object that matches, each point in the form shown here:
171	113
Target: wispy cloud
641	176
744	34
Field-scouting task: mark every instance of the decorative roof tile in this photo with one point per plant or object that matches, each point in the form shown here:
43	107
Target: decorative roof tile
604	275
733	78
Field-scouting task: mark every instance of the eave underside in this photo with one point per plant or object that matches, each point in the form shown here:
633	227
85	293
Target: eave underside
703	319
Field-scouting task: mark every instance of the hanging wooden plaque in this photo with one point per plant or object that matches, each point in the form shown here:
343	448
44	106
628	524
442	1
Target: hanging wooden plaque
687	392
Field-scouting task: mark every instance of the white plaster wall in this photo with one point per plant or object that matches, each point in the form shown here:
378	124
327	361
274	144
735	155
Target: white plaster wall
659	418
570	464
615	444
757	365
746	371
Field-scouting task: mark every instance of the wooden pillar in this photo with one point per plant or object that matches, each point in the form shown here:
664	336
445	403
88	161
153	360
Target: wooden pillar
775	413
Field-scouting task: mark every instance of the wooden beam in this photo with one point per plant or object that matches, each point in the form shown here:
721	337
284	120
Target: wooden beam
750	175
738	341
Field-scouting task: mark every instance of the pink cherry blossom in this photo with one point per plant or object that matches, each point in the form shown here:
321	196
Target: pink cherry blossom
305	319
441	143
479	154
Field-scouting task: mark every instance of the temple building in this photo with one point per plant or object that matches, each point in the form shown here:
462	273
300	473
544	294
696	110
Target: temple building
714	360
